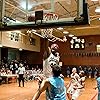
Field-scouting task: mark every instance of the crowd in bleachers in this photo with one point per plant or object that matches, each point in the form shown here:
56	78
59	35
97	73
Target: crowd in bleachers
31	74
32	71
90	71
12	68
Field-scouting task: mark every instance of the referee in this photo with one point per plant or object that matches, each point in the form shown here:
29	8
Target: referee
21	72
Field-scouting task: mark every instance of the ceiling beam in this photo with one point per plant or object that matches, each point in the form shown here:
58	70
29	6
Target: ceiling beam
16	7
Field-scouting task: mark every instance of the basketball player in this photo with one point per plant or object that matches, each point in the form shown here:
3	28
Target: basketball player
54	86
51	57
78	89
73	84
82	79
98	85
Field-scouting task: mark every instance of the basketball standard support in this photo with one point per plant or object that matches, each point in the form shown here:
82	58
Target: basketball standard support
52	6
2	9
79	7
56	23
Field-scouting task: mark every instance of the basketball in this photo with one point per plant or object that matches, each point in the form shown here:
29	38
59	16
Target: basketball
54	46
31	18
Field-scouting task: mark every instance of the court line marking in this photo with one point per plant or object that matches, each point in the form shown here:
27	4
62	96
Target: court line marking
94	96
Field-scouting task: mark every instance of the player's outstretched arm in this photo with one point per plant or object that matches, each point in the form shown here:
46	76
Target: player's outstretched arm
47	50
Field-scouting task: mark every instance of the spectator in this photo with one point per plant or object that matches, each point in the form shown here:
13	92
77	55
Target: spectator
21	74
95	72
0	77
68	71
85	71
90	72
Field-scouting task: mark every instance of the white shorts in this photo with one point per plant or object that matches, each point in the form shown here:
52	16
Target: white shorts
70	89
77	93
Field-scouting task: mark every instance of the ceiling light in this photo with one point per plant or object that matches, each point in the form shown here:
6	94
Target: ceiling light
20	49
70	35
99	18
74	37
1	45
65	32
60	28
97	10
94	0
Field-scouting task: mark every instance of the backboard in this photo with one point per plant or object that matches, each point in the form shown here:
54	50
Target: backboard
69	12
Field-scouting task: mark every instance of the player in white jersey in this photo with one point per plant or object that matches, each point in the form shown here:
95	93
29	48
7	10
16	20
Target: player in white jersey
78	89
73	83
51	57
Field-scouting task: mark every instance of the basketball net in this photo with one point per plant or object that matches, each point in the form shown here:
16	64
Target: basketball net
47	33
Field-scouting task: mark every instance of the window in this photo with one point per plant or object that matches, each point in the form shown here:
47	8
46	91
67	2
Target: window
32	41
14	36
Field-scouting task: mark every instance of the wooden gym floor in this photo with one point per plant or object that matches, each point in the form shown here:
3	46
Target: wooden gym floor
13	92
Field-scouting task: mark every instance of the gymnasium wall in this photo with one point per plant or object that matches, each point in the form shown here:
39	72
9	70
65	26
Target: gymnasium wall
33	57
23	42
88	56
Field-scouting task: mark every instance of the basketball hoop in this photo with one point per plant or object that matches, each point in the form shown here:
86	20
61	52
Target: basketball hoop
47	33
50	17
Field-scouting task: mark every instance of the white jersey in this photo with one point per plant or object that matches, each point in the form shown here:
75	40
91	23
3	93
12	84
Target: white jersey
74	78
47	63
21	70
80	88
81	82
73	83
